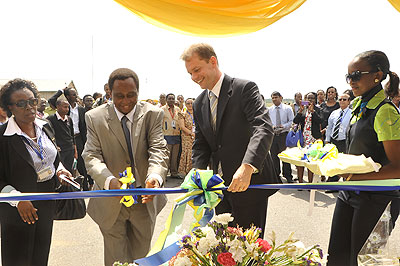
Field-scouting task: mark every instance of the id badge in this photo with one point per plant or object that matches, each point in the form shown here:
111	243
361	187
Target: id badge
43	174
173	124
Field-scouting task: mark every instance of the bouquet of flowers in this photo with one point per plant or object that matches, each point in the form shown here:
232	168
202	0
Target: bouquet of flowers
217	244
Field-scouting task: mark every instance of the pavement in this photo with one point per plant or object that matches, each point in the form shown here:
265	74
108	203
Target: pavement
80	243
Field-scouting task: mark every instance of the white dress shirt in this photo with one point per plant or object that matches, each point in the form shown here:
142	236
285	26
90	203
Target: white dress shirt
286	114
74	114
343	126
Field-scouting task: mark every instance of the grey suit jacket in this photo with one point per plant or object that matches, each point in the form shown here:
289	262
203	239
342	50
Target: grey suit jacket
106	154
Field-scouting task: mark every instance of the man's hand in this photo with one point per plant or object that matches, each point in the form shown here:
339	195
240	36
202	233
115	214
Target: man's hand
151	183
66	173
241	179
27	212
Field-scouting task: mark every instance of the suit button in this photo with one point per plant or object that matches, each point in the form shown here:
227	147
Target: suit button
219	146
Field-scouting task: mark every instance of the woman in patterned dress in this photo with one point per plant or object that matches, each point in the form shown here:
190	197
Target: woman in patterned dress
186	123
310	122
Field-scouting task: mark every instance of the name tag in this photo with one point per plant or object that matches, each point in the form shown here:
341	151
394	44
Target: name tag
45	173
173	124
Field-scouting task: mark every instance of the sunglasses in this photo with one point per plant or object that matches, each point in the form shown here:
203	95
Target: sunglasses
342	100
24	103
356	75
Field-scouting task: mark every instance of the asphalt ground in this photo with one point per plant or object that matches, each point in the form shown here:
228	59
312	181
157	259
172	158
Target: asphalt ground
80	243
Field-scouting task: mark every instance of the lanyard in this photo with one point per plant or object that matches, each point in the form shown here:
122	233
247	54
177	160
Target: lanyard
190	116
172	114
39	152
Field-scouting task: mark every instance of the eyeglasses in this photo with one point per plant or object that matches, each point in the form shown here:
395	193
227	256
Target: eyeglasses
356	76
343	100
24	103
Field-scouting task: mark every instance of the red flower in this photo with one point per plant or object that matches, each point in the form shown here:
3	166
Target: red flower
226	259
263	244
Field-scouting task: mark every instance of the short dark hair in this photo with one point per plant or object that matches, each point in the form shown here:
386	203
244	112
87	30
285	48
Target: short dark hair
169	95
96	95
331	87
67	90
276	93
122	74
87	95
12	86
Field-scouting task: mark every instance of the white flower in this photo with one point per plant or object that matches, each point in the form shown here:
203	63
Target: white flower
296	249
182	261
208	242
252	249
374	238
223	218
237	250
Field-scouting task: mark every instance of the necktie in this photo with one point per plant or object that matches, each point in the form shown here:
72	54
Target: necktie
278	117
213	107
127	134
335	133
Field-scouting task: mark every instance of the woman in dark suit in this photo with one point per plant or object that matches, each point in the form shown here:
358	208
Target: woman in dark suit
310	122
28	163
375	132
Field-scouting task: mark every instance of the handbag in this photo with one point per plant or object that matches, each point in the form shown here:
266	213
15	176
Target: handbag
293	137
69	209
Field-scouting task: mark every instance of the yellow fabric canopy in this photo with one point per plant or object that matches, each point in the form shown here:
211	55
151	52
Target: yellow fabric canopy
211	17
215	17
395	4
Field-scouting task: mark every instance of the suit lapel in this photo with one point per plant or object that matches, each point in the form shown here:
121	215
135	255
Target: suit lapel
224	95
205	118
115	126
20	148
137	125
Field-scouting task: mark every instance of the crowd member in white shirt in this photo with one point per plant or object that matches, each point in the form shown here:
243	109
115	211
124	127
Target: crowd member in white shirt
282	118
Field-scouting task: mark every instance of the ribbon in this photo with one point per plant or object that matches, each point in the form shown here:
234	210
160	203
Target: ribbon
203	193
127	179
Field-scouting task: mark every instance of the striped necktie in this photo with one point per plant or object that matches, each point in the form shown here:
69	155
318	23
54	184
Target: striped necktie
336	129
213	109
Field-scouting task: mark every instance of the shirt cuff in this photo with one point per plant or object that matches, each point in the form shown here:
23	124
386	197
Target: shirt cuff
255	170
107	183
11	190
156	176
60	167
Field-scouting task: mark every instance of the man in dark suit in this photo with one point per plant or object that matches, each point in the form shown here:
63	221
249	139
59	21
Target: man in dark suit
77	114
234	133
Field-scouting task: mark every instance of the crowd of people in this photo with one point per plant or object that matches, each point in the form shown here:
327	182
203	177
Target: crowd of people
228	128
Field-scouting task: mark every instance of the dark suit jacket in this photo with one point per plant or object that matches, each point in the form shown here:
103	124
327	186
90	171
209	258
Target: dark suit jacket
16	164
64	132
316	121
244	132
81	112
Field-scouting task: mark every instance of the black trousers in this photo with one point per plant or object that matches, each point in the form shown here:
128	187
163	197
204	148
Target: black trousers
279	145
354	219
25	244
81	164
245	209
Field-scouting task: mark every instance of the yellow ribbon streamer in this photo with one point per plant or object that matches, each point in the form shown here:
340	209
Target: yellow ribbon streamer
127	180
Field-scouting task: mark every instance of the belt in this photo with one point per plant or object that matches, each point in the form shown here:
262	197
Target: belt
77	134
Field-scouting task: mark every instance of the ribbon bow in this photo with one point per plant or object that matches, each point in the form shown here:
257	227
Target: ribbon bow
127	179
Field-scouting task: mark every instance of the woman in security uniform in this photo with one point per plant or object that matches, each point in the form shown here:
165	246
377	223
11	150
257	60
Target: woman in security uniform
375	132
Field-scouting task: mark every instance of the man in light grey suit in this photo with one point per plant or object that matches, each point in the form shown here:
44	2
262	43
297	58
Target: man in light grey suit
121	134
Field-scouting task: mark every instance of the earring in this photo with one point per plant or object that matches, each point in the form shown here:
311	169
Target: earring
376	80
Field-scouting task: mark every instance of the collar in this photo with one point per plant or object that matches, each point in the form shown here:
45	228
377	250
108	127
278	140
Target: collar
128	115
60	118
217	87
344	110
13	128
74	108
280	106
374	97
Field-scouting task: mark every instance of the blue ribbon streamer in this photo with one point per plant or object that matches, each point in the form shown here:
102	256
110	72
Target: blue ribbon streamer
158	191
160	257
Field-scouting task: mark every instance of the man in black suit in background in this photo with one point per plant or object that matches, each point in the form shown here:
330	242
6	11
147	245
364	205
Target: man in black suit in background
77	114
234	133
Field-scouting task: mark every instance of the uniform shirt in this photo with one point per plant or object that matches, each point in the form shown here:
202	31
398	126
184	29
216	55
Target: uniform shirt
333	118
170	122
286	114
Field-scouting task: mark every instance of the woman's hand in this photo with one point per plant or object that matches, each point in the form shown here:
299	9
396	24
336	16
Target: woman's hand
311	108
63	172
27	212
